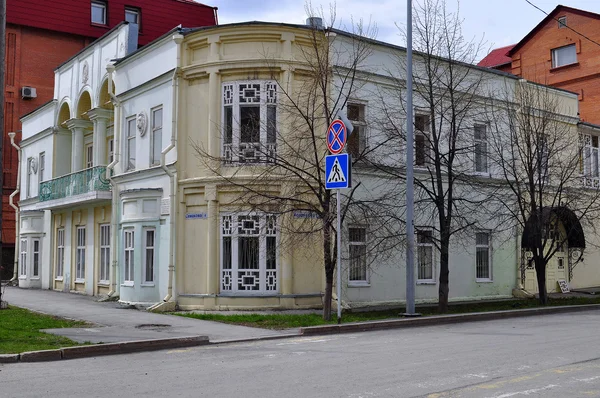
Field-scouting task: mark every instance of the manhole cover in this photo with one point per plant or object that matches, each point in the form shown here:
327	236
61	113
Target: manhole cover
153	326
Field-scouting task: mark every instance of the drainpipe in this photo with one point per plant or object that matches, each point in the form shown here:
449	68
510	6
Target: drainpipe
110	68
14	206
178	38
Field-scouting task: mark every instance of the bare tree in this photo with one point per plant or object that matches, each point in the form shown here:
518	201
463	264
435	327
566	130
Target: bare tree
285	173
448	94
534	146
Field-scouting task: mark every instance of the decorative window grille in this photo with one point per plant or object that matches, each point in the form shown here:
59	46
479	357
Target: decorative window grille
80	255
425	255
357	142
481	154
422	145
129	252
36	259
104	253
250	121
249	254
149	245
156	142
357	241
483	256
60	252
23	264
130	144
588	160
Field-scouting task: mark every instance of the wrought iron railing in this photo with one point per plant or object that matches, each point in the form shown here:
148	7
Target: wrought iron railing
78	183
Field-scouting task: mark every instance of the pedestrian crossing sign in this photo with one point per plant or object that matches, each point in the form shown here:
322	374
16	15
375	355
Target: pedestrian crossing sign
338	172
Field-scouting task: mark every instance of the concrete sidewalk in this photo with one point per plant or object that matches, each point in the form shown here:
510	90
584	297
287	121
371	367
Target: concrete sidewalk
114	323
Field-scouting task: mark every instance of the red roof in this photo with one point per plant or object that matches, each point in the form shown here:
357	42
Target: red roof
496	57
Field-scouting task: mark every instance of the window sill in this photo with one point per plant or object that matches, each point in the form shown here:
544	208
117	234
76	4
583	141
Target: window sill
484	281
559	68
147	284
99	25
486	174
426	282
359	284
58	279
127	284
22	277
35	278
104	283
79	281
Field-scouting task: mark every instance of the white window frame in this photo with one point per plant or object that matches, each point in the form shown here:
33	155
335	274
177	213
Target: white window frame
235	280
100	5
89	155
487	247
431	247
559	53
80	236
425	133
41	165
133	11
104	253
23	259
128	256
35	258
359	124
60	253
111	150
562	22
29	178
589	167
129	142
352	269
235	97
480	148
149	255
156	136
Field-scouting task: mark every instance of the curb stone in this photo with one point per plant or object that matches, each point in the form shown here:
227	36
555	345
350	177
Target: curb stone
88	351
441	319
40	356
9	358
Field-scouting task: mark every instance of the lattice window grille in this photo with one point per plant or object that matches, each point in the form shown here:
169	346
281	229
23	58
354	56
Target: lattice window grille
271	92
249	93
249	253
228	94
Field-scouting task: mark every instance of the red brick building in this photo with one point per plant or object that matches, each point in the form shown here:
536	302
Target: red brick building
42	34
563	51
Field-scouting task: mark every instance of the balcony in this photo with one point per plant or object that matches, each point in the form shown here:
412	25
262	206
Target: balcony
82	187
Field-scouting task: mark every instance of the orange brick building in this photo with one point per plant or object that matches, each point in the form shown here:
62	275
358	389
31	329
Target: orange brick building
41	35
556	53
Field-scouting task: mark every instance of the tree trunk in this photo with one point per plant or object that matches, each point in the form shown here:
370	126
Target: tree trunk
444	276
540	270
329	268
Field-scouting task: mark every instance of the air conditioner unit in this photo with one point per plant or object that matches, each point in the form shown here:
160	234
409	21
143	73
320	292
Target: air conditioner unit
28	92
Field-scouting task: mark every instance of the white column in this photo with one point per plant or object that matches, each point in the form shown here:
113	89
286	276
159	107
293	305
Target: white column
77	127
100	118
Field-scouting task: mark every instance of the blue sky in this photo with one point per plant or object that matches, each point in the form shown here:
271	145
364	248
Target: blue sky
501	22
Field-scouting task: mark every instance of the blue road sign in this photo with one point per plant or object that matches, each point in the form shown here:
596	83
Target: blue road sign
336	136
338	171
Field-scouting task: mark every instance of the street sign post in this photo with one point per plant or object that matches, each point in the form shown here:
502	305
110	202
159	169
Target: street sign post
338	175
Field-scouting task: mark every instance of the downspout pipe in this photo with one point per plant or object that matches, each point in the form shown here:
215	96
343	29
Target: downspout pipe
14	206
178	38
110	68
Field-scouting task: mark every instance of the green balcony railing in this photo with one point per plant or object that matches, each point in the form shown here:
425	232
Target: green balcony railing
78	183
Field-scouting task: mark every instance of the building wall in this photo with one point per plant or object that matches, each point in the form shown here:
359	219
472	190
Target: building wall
533	60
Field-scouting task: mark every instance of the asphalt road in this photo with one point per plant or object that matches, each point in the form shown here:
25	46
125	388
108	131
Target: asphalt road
540	356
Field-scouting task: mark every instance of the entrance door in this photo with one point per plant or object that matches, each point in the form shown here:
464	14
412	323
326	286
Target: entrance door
556	267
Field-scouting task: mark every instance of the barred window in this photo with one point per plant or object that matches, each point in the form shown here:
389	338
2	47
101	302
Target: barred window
482	256
425	255
357	247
